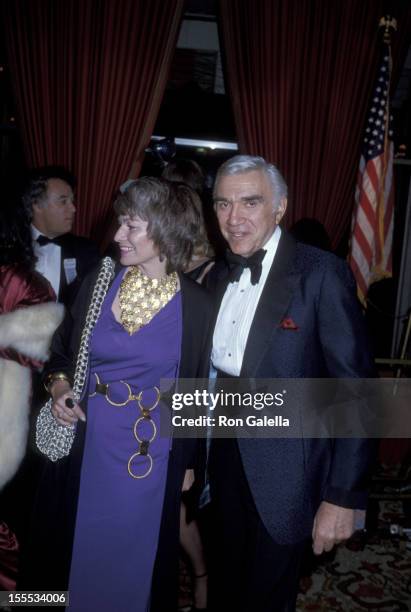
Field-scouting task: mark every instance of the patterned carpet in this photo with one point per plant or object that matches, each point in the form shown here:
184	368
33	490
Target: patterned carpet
371	575
367	573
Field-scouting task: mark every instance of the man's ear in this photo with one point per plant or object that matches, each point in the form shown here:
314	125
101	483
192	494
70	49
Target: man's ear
35	207
280	211
36	210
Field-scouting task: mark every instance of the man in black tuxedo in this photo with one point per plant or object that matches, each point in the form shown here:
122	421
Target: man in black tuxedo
63	258
286	310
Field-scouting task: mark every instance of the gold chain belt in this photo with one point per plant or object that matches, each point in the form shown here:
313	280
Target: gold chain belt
144	443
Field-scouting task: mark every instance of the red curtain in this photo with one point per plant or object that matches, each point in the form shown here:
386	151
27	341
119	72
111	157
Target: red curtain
300	74
89	77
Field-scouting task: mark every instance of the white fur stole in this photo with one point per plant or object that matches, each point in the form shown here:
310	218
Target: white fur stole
29	331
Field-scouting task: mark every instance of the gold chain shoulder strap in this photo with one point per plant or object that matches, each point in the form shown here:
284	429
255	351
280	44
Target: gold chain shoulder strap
52	439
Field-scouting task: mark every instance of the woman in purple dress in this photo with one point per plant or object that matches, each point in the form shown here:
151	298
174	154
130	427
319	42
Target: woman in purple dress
110	497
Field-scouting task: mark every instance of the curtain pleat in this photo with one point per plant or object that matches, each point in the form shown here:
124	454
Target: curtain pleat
300	73
89	77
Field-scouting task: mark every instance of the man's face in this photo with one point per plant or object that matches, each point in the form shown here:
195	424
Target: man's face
244	204
54	214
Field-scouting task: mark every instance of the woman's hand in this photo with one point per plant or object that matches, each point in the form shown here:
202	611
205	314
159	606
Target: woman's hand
64	409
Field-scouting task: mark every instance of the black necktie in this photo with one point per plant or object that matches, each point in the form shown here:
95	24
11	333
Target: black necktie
237	263
42	240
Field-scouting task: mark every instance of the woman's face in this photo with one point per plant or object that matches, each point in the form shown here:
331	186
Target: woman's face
136	248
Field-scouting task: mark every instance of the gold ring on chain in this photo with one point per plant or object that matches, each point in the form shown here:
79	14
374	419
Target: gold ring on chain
137	437
149	468
103	388
149	408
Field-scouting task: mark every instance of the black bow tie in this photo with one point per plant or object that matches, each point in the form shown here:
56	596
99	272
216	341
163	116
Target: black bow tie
237	263
42	240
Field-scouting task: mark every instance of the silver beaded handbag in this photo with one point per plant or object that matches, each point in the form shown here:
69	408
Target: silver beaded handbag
54	440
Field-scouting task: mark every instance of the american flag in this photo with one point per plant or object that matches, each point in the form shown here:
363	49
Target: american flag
370	254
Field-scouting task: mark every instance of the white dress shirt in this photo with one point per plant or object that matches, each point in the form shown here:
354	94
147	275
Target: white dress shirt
237	312
48	260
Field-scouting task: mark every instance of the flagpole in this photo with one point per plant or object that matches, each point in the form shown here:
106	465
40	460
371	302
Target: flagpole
387	23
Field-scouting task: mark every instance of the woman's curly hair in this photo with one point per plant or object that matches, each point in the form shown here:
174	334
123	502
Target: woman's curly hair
15	238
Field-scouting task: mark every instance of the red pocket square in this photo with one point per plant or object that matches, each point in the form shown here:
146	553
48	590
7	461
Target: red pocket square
288	324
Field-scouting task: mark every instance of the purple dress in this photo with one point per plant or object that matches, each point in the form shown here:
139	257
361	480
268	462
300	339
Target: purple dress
118	516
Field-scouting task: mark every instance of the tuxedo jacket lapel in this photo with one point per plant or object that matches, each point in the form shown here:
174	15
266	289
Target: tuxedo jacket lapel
65	252
272	306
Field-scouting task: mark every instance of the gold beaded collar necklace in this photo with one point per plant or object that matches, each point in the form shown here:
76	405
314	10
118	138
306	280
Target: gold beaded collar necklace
142	297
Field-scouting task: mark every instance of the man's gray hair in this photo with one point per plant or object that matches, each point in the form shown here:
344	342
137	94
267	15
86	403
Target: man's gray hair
247	163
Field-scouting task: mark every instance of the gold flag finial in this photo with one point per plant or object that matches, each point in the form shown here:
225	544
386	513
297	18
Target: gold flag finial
388	23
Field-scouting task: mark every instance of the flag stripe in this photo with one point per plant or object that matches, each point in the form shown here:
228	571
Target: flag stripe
372	224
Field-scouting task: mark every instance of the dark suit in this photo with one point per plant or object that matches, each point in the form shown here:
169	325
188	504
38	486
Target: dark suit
288	478
86	256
